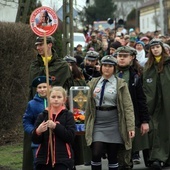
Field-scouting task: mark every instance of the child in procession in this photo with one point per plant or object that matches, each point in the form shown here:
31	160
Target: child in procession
34	107
61	122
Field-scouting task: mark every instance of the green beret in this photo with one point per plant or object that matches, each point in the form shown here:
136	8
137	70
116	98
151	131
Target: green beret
109	59
125	49
40	79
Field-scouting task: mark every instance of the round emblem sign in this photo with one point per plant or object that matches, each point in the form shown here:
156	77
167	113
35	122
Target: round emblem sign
43	20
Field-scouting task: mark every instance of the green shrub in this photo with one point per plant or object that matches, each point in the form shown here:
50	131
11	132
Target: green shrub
17	51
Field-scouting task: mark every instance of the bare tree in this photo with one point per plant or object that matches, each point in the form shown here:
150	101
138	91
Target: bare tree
125	6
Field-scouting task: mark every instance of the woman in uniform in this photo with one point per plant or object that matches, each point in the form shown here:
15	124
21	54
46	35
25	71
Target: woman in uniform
109	114
156	83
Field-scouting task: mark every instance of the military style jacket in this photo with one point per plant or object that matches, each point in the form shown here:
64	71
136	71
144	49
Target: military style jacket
59	72
124	107
96	45
156	87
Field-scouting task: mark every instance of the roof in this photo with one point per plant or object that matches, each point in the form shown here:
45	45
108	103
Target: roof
149	3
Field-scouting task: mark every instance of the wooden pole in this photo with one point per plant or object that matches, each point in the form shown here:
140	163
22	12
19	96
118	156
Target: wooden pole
48	94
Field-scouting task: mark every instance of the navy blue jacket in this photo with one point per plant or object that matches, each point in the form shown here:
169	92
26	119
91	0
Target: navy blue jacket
34	107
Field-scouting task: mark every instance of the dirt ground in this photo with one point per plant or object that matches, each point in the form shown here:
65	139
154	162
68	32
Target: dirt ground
12	136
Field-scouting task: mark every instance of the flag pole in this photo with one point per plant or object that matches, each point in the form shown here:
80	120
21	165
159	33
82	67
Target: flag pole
48	95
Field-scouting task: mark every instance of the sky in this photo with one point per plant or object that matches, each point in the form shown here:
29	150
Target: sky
56	4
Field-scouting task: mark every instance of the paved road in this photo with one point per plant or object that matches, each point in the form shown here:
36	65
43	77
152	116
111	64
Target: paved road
104	165
140	166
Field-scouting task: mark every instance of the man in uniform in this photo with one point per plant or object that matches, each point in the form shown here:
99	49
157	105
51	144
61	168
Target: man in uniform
90	66
59	70
60	74
95	43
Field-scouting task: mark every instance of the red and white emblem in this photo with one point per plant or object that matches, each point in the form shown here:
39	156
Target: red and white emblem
97	90
44	21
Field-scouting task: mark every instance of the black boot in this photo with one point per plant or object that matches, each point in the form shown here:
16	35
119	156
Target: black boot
124	168
96	165
156	165
93	167
113	166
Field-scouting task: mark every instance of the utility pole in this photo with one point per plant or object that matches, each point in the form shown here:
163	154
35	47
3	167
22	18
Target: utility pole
68	27
161	17
136	18
23	9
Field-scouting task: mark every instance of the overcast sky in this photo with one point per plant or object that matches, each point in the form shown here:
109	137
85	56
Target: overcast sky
56	4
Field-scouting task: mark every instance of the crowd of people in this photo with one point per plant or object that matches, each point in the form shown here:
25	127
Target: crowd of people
127	107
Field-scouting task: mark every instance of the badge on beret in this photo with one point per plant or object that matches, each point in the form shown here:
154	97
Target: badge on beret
39	80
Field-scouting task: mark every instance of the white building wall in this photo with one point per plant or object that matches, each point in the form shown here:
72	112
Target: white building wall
148	22
8	10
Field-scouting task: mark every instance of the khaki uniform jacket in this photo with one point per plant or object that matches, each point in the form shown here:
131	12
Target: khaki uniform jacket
124	107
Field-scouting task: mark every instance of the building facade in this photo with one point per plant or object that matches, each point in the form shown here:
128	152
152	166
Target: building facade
150	16
8	10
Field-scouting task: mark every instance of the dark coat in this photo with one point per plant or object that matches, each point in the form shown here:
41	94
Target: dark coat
138	98
140	109
156	87
59	72
62	137
89	72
